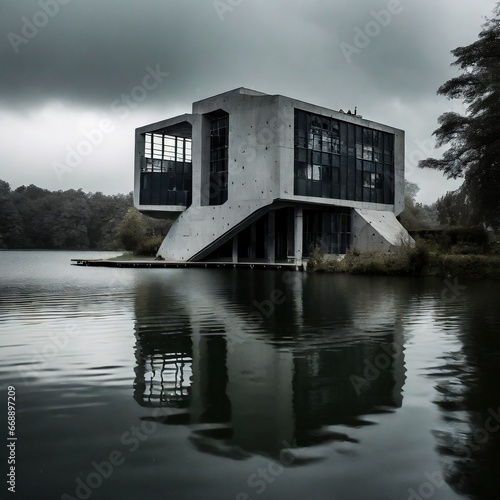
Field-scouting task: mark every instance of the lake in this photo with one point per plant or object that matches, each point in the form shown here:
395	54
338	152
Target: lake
246	384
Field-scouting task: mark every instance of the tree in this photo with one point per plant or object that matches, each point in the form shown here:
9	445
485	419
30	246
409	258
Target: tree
453	209
415	215
11	223
32	217
132	230
106	213
474	138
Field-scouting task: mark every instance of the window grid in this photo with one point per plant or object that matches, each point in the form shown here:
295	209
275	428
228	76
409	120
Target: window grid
330	230
335	159
166	170
219	160
161	150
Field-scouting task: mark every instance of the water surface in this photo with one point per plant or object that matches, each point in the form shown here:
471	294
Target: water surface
240	384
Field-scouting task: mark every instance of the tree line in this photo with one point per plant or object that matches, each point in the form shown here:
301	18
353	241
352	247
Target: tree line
33	217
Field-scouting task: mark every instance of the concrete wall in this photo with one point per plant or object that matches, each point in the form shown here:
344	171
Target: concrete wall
261	171
253	174
374	230
284	124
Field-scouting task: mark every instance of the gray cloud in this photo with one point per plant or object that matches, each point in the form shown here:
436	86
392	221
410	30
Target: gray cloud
90	53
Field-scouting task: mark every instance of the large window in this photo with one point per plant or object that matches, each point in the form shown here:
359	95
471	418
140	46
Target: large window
336	159
328	229
219	140
166	170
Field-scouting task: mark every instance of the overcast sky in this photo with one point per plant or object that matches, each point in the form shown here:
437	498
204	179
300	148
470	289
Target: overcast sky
67	67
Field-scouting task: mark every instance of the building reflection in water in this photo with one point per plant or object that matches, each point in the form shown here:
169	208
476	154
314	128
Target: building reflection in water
253	375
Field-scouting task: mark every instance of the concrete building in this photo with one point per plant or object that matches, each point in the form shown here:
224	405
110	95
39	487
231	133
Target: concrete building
254	177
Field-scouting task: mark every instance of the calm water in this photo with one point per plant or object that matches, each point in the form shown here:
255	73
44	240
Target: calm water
226	384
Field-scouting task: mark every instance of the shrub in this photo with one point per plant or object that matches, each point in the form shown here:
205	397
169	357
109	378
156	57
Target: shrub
150	246
417	258
131	230
446	238
466	249
316	257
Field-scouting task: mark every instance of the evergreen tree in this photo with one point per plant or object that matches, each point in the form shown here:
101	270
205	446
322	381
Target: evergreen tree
474	138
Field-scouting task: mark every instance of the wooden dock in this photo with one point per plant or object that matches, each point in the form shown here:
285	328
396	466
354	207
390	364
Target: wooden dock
178	264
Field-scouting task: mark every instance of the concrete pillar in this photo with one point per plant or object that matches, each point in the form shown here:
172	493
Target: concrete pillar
235	248
298	236
271	236
198	158
253	241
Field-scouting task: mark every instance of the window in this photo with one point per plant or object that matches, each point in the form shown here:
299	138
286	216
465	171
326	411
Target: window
358	151
372	181
166	169
336	145
316	172
219	141
330	229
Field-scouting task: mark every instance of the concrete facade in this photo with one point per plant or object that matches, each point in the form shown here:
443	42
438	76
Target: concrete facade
233	182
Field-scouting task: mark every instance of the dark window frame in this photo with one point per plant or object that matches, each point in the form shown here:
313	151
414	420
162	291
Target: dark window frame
319	140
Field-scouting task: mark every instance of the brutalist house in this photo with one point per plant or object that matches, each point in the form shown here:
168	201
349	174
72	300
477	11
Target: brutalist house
251	177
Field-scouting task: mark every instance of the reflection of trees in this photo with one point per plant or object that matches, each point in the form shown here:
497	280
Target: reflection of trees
324	394
250	384
468	393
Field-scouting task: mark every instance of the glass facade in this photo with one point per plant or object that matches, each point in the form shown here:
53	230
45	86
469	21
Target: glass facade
336	159
219	141
330	229
166	170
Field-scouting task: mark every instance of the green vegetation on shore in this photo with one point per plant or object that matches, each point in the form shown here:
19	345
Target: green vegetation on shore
424	259
36	218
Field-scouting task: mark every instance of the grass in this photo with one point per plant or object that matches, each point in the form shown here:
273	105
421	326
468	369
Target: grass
130	256
419	260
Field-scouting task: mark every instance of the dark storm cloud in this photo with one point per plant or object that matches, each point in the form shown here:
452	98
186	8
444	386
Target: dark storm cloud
93	51
81	57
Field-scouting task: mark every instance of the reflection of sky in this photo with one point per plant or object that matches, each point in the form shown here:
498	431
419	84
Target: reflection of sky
71	324
237	388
